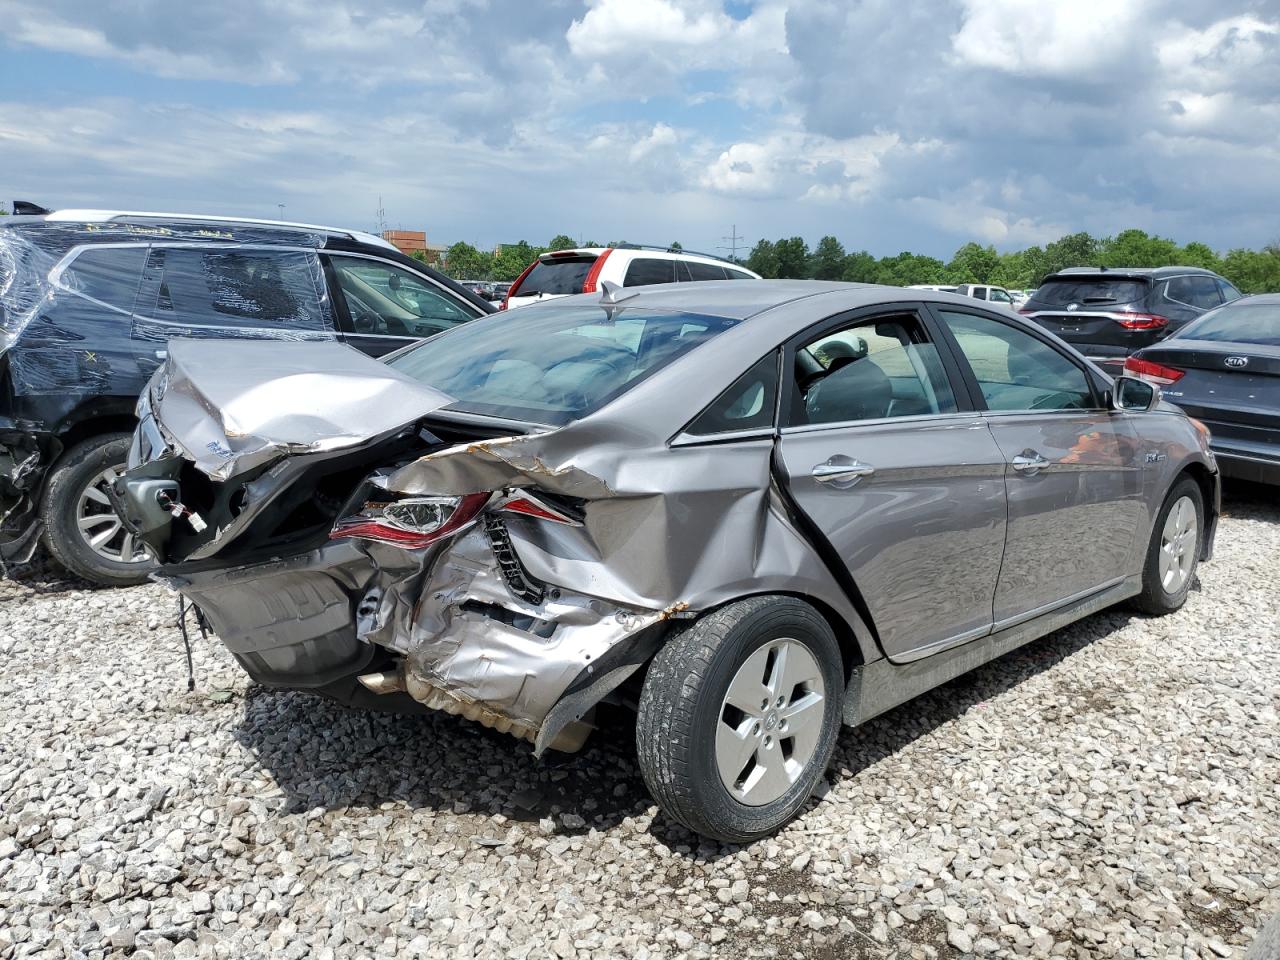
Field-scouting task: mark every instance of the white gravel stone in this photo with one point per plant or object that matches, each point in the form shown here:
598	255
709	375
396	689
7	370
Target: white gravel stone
1107	791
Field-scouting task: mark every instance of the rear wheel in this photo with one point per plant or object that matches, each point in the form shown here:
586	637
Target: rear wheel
739	715
81	528
1174	550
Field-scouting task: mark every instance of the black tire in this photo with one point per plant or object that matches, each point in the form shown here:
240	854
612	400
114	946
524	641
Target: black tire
67	481
1154	598
680	708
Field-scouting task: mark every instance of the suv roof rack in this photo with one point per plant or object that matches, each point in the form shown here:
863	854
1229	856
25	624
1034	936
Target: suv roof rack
104	216
661	249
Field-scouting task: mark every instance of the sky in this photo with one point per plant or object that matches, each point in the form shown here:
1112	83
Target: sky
891	125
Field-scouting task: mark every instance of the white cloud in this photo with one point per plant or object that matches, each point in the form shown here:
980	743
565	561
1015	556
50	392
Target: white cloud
1078	40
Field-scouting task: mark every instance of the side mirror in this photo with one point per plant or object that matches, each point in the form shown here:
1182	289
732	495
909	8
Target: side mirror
1134	395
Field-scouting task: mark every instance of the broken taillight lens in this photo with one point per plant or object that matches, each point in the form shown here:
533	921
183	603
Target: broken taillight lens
411	522
531	506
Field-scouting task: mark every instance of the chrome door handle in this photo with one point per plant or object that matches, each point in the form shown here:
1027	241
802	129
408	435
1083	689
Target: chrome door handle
841	472
1029	462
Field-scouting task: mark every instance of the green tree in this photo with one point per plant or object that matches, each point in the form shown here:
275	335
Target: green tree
562	241
1254	271
764	259
1073	250
1197	254
973	263
828	258
512	259
1136	248
909	268
793	258
462	261
860	267
675	245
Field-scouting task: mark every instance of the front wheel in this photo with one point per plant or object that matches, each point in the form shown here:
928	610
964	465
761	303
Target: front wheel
739	715
1174	550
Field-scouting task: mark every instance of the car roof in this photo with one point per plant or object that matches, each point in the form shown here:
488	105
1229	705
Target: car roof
641	250
1122	272
76	216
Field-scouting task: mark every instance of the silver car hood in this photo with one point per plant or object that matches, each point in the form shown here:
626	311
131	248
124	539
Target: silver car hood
232	405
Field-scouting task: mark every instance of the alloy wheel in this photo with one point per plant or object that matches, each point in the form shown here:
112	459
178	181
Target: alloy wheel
770	722
1178	542
99	525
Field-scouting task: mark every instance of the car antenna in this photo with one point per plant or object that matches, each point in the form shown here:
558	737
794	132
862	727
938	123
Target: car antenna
609	297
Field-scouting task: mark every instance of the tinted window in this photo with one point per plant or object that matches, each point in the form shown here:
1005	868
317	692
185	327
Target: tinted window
738	274
1015	370
648	270
747	404
978	293
876	369
1100	291
382	299
704	271
1199	292
1239	323
563	275
109	275
235	288
565	363
1228	292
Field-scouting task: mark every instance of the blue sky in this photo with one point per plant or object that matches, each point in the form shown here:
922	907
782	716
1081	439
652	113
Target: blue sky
892	126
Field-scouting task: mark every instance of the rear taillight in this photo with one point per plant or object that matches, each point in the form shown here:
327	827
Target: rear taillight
1141	321
1025	312
511	291
593	275
1152	372
411	522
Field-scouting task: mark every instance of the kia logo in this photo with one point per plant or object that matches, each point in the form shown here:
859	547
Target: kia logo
1237	361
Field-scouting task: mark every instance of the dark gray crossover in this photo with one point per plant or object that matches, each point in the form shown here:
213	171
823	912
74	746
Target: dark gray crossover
88	301
1224	369
748	511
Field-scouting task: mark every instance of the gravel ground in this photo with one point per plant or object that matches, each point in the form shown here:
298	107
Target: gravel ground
1112	790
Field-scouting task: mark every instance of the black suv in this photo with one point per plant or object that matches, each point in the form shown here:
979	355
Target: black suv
1107	313
88	301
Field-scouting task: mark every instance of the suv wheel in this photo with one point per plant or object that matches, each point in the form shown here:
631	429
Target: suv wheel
739	715
81	528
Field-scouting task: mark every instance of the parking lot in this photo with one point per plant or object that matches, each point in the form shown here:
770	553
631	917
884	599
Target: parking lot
1109	790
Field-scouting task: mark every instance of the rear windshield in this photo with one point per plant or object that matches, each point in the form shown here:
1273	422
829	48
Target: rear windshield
566	275
556	364
1238	323
1087	290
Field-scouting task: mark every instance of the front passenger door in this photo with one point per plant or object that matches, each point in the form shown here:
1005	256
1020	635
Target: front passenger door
904	482
1074	473
383	307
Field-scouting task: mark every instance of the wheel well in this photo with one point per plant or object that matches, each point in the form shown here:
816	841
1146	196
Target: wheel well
79	432
1204	480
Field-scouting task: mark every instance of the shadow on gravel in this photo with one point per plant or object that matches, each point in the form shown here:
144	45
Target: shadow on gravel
40	575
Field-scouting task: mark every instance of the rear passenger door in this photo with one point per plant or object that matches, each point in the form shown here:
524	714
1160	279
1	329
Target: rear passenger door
1074	470
899	475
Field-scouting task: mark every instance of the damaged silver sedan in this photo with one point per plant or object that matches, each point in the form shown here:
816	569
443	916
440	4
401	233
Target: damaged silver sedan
748	511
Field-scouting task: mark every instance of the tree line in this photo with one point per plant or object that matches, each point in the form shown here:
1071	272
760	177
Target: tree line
1253	271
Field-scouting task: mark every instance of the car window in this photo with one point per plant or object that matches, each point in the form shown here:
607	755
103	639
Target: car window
738	274
559	275
1240	323
1088	292
566	363
645	270
1199	292
748	403
1000	296
1015	370
871	370
978	293
241	289
1228	292
109	275
386	300
704	271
